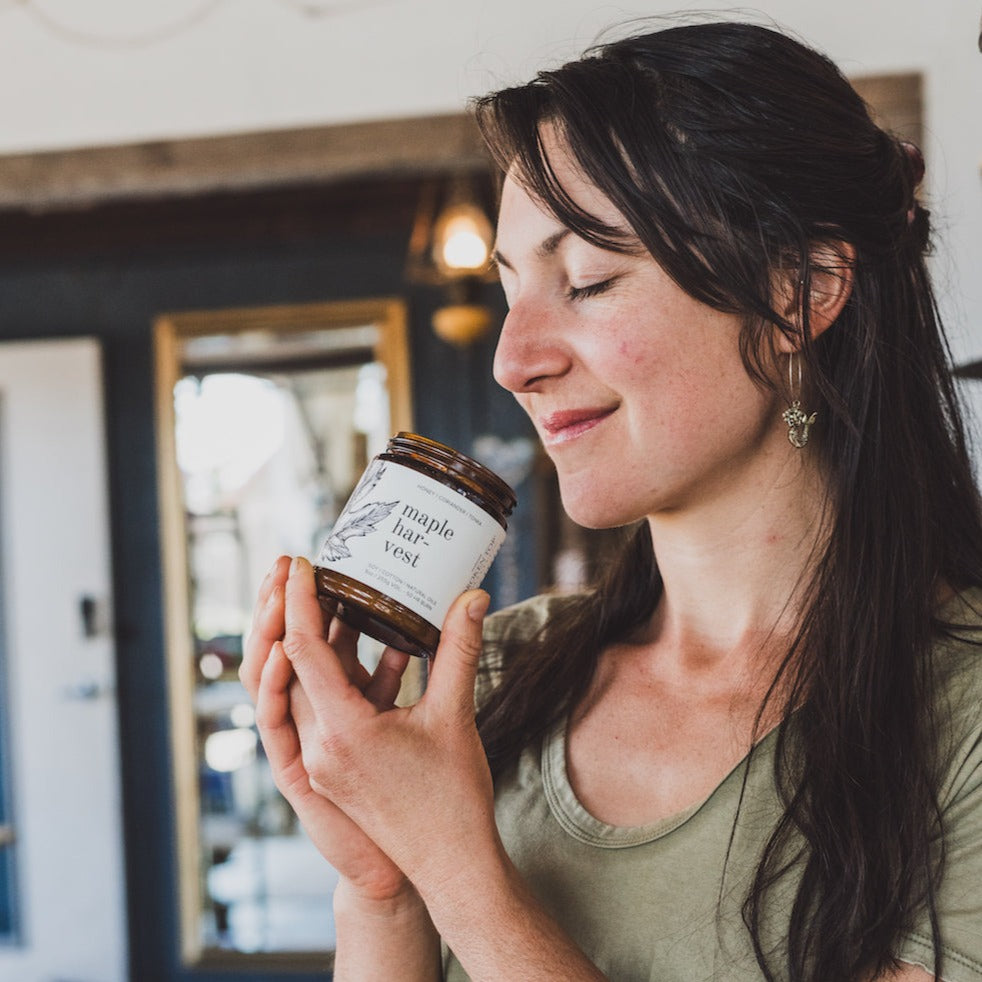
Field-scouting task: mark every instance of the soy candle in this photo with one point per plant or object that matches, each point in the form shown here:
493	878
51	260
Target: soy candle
422	526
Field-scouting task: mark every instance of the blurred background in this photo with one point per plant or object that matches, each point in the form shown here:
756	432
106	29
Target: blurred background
241	243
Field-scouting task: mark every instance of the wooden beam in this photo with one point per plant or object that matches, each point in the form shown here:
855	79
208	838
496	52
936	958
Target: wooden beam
245	162
59	180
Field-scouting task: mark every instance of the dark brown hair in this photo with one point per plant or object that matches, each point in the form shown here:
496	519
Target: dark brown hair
734	151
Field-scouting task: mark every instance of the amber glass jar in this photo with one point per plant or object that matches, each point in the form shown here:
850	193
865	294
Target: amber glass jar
422	526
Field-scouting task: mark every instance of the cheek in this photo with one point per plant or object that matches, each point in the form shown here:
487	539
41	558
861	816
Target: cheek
632	354
693	397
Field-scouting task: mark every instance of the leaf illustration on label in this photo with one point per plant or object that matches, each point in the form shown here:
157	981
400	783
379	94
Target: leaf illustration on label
369	479
361	521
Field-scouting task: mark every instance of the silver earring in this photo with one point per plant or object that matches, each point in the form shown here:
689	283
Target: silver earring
797	419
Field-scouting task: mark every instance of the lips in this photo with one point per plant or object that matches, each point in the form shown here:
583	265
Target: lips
568	424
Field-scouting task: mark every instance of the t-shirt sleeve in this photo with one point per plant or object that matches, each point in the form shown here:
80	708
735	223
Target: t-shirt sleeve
516	623
959	901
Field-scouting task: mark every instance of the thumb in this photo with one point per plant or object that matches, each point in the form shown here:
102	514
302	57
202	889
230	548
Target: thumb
450	687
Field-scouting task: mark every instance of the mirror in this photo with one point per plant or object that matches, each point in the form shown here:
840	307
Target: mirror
267	418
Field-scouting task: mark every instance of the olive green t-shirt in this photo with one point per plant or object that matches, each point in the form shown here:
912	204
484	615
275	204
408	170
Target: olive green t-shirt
662	902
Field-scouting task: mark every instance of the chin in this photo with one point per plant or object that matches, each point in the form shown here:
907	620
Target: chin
597	512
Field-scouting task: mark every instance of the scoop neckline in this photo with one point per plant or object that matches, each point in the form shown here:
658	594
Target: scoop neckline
578	822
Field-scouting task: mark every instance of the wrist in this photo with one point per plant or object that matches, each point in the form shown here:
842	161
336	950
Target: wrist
469	886
352	901
526	942
387	937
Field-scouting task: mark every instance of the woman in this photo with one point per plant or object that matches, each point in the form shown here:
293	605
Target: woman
755	750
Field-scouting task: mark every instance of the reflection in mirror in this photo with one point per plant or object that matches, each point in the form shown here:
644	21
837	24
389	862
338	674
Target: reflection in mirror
267	419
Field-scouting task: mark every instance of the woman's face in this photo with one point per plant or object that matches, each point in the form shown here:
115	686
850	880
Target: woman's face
637	390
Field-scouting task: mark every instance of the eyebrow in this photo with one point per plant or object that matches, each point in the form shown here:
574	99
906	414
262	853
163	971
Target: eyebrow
545	248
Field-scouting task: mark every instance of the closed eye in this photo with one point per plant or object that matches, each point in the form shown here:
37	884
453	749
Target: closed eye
590	290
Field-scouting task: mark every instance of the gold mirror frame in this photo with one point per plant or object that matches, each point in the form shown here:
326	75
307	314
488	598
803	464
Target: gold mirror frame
171	332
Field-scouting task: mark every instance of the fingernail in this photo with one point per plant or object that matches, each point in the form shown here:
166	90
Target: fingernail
273	598
478	607
296	564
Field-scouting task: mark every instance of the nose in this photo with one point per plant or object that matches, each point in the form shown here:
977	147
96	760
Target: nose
530	350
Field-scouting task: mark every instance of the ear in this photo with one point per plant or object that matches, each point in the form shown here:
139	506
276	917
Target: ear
832	265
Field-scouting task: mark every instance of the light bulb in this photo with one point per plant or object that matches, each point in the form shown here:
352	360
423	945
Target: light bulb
463	247
462	240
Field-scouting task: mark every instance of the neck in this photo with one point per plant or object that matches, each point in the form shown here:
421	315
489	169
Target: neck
735	563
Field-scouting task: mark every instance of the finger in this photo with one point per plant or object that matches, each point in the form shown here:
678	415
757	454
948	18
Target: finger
386	680
267	626
303	609
276	576
320	671
344	640
329	608
301	711
273	719
255	650
276	720
450	688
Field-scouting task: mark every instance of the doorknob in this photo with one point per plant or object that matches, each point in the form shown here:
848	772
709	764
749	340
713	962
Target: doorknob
93	615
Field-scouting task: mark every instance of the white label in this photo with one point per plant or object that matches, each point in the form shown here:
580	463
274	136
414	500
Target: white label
413	539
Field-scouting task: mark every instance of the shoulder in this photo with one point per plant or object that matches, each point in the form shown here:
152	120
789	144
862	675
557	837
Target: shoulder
524	620
958	649
957	669
958	677
515	625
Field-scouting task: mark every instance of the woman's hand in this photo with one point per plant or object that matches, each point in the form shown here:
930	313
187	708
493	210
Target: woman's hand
281	706
415	779
416	782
